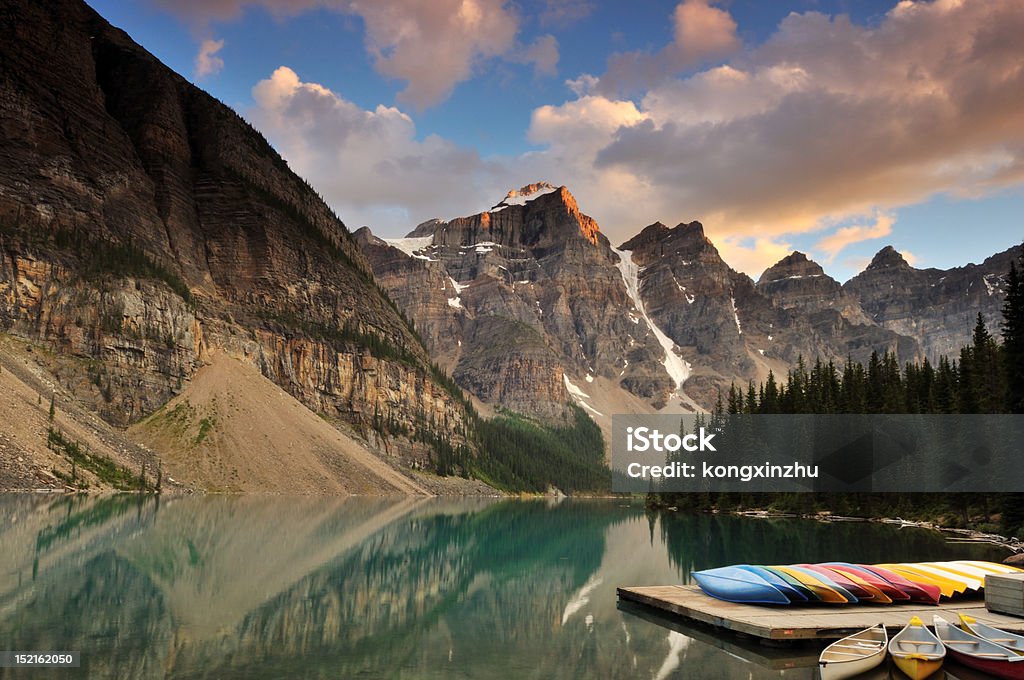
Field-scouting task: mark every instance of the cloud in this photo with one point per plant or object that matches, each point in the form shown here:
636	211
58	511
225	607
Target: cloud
435	45
369	164
431	46
700	32
826	122
753	255
543	54
909	257
564	13
207	61
838	240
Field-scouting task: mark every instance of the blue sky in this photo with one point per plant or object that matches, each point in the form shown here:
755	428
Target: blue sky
834	127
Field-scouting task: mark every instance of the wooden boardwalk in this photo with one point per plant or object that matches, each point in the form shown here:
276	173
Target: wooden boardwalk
802	622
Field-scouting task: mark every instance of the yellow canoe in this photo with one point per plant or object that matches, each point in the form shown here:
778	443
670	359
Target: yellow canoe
916	651
824	592
990	567
947	586
973	581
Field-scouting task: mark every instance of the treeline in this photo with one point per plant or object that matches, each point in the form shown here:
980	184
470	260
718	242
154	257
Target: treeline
517	454
977	382
986	377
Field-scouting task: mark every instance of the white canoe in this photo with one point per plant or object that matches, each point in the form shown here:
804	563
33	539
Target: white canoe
854	655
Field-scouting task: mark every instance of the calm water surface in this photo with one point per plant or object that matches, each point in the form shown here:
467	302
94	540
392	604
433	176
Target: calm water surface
258	587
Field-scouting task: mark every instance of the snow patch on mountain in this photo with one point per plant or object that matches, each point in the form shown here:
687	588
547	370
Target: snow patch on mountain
524	195
411	246
677	368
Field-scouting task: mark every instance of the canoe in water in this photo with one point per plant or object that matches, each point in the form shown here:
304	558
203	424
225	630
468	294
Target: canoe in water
853	655
916	651
979	653
1000	637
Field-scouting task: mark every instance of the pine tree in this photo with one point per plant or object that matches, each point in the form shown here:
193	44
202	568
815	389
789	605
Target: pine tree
1013	337
53	410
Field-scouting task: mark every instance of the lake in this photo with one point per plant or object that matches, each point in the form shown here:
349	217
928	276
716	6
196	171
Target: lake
277	587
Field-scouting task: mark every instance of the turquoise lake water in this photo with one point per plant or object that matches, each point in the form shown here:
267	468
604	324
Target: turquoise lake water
280	587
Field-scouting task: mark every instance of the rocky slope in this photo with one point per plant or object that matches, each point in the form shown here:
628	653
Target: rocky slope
143	223
936	307
524	303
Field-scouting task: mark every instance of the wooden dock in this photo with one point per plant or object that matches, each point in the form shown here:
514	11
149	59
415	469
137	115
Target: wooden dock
802	622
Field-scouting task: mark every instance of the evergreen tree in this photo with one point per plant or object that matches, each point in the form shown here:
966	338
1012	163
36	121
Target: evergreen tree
1013	338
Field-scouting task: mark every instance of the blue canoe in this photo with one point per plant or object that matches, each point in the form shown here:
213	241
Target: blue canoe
733	584
791	593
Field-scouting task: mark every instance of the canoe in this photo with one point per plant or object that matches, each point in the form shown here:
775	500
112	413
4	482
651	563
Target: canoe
794	582
993	567
850	597
972	576
824	592
969	582
871	578
889	590
853	655
737	585
1000	637
976	652
946	586
783	586
864	591
916	651
923	592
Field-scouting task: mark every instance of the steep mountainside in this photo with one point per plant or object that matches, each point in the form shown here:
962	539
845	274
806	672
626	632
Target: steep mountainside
143	223
936	307
525	303
730	329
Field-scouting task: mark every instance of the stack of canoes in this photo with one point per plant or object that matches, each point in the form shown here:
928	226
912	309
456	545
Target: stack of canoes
919	653
845	583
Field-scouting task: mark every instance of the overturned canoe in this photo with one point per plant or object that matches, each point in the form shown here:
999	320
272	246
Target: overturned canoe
890	590
822	590
733	584
792	593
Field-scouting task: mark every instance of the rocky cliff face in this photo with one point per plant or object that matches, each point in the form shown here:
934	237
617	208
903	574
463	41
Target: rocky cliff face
936	307
525	303
142	222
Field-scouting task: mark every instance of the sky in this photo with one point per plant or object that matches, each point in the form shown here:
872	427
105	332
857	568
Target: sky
834	127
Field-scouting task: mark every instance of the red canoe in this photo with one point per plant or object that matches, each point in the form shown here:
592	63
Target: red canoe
919	592
871	578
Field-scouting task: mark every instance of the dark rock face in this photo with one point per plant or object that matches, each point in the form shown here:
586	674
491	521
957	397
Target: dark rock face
936	307
143	223
795	282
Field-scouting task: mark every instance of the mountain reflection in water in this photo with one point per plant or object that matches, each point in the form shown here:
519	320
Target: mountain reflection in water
270	587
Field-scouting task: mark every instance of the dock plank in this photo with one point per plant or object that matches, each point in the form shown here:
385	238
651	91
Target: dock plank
802	622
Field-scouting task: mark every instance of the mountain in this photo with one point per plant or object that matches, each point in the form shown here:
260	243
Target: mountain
144	225
525	304
531	309
936	307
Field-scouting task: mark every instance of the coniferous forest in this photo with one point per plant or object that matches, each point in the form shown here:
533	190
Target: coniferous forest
986	377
